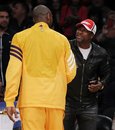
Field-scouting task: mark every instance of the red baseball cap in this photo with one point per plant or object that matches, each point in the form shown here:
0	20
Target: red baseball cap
89	25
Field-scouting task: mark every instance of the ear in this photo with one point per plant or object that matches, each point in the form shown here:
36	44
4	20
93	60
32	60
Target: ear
49	19
92	35
33	20
48	16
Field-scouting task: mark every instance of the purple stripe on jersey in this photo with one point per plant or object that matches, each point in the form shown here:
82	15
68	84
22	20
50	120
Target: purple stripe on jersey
16	52
16	56
13	46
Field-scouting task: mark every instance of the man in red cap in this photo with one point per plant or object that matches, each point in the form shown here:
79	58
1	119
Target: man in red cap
92	76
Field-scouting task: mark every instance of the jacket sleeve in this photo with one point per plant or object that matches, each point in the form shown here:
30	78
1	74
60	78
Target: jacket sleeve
104	70
13	73
70	63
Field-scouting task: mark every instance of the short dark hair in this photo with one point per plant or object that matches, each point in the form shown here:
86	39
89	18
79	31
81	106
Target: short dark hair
5	8
23	3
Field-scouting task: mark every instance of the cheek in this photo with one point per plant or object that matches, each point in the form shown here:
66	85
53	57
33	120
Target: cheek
89	38
85	38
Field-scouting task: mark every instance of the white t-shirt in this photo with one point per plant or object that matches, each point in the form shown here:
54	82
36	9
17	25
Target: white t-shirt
85	52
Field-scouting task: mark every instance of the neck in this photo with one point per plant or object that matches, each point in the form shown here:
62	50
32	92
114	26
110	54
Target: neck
2	31
20	19
84	45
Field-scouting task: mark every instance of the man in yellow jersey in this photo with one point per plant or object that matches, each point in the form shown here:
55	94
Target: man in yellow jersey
41	63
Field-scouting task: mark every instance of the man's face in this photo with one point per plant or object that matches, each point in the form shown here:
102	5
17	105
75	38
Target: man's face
4	19
56	4
18	10
83	35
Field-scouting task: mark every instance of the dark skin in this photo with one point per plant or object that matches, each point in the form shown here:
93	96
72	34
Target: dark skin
40	14
84	38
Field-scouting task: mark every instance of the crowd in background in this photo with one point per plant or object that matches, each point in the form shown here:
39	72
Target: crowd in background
66	14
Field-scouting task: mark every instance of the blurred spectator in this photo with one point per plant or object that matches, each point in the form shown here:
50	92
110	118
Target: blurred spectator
111	4
71	14
38	2
4	2
20	20
107	40
56	7
108	30
98	12
5	37
29	3
86	2
64	2
41	2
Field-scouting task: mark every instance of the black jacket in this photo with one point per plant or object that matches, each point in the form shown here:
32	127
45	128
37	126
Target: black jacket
96	66
6	41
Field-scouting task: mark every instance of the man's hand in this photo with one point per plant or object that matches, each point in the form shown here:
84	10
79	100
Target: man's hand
94	86
10	112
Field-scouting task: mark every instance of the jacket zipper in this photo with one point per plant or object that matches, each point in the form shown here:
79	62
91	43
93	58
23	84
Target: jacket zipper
82	81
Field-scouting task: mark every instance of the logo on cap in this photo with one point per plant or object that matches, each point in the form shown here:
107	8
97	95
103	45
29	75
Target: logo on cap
89	25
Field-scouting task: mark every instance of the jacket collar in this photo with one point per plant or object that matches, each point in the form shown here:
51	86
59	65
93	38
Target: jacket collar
41	24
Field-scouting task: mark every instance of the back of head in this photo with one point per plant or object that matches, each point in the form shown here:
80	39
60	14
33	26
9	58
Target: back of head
42	13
